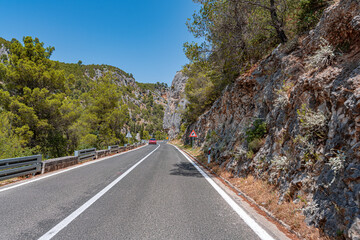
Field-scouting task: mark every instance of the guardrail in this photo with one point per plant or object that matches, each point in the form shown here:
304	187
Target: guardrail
86	154
113	149
16	167
102	153
58	163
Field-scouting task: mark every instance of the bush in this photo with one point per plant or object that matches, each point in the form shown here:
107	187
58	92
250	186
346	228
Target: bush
256	131
255	145
282	99
250	154
337	162
322	57
309	14
312	123
280	162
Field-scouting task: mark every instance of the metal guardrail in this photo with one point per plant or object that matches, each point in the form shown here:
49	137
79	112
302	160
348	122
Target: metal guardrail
86	154
16	167
113	149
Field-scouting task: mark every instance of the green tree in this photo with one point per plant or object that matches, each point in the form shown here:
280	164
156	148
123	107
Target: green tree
11	144
146	135
33	93
30	66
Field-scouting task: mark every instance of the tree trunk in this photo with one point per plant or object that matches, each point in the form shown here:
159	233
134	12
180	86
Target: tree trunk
278	25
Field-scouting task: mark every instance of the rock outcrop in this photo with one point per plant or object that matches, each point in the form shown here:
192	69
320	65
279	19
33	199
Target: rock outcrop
4	53
117	74
176	104
308	98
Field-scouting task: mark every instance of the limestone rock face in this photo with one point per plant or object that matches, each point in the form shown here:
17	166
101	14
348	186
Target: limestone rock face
122	80
312	115
176	104
3	51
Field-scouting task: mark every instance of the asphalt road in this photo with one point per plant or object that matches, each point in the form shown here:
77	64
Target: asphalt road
162	197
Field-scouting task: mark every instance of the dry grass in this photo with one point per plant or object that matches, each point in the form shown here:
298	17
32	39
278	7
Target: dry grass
13	180
267	196
264	195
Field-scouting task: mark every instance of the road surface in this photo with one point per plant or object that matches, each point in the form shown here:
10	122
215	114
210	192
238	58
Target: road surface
153	192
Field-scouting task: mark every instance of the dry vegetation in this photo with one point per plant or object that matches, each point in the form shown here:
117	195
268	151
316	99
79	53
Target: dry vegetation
263	194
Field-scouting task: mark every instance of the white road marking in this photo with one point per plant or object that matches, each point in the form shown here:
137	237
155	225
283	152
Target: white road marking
243	215
50	234
65	170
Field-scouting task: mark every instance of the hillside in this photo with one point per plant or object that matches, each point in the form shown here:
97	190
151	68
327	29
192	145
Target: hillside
54	108
292	121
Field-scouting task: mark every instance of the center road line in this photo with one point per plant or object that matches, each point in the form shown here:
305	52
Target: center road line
243	215
52	232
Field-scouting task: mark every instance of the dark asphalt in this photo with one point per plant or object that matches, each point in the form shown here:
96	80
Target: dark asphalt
164	197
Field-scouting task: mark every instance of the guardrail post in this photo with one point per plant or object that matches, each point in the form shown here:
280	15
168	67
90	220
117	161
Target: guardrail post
209	155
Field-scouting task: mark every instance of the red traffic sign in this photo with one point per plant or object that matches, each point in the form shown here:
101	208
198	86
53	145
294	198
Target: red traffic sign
193	134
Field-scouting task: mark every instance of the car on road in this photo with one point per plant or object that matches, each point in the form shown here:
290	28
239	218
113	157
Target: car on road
152	141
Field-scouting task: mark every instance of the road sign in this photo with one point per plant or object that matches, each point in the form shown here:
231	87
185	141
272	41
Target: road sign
128	135
193	134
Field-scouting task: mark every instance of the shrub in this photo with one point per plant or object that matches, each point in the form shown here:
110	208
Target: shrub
309	13
322	57
282	99
256	144
311	122
256	131
182	130
281	162
212	136
337	162
239	153
250	154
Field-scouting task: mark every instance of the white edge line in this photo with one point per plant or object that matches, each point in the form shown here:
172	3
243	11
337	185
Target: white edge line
66	170
52	232
243	215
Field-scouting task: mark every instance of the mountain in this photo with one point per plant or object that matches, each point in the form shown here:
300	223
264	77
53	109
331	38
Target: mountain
136	95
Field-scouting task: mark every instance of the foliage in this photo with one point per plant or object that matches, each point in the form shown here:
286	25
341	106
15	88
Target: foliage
281	162
4	42
256	131
11	144
255	145
312	123
322	57
54	108
182	130
282	99
201	90
250	154
212	136
146	135
153	86
309	13
234	35
336	162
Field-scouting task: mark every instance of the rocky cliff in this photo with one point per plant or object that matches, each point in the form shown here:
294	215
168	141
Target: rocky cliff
175	105
294	120
4	52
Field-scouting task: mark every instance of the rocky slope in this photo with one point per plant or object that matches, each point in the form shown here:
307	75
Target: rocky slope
175	105
294	120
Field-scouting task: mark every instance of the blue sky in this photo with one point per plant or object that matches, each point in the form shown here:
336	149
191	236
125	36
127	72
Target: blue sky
143	37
